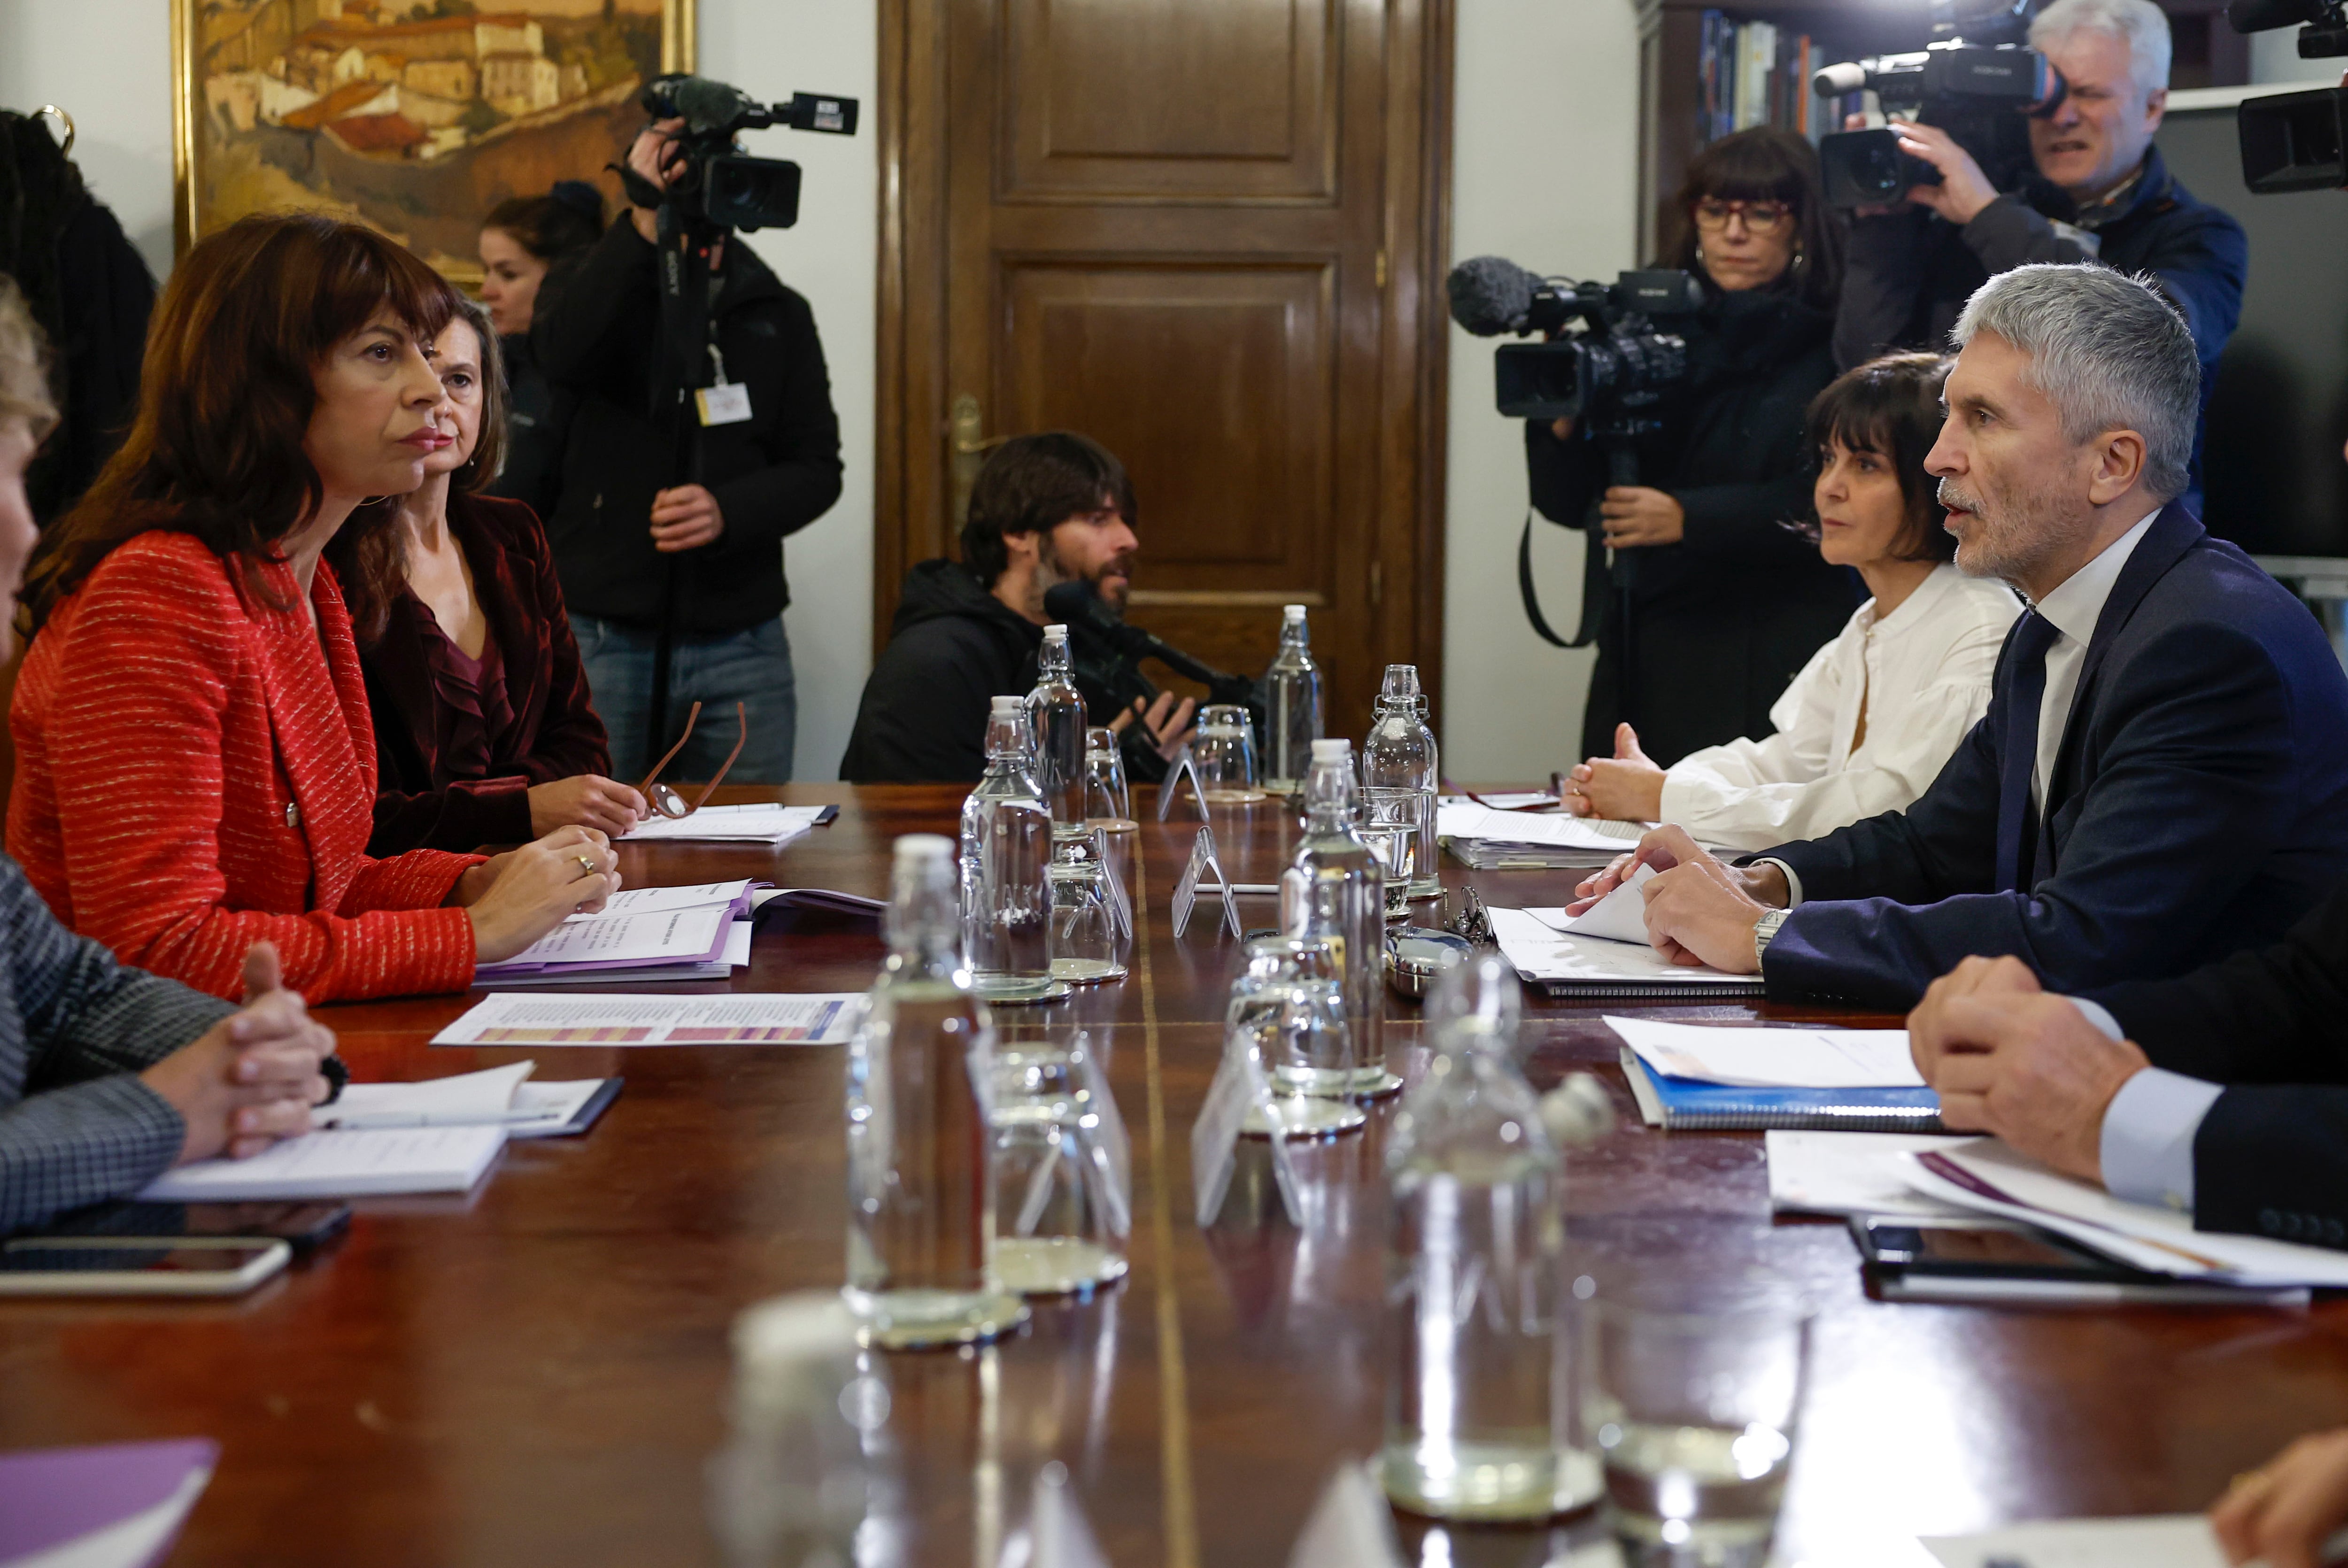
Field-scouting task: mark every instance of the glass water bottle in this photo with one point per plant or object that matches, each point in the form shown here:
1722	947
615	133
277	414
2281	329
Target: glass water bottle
1400	770
1056	713
1291	706
1006	863
1478	1416
1336	889
920	1193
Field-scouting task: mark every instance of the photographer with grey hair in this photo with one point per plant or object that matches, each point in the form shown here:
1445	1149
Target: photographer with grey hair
2162	776
2101	192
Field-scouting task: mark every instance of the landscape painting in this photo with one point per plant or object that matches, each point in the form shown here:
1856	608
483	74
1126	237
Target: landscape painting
417	116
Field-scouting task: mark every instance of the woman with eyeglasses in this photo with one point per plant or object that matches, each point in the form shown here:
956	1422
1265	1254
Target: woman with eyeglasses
483	730
1702	606
195	756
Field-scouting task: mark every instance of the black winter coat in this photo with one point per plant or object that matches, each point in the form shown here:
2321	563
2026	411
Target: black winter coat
1906	276
953	648
595	332
538	424
1695	640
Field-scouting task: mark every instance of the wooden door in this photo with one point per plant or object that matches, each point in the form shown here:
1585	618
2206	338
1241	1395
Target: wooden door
1207	233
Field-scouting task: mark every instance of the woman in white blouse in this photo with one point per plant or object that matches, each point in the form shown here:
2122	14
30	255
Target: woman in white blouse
1876	713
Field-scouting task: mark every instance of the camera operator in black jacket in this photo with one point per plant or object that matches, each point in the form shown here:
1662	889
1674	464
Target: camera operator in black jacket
2101	193
623	519
1710	605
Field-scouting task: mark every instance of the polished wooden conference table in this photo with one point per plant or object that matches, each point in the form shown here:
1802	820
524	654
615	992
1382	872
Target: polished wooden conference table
536	1373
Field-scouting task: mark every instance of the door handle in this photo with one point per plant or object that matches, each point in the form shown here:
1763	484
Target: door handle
967	424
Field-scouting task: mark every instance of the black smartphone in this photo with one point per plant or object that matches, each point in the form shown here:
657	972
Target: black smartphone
303	1226
1982	1261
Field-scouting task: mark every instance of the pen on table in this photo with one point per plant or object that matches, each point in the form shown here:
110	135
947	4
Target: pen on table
391	1120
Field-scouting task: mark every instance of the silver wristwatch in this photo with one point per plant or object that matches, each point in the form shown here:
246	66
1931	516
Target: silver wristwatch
1765	929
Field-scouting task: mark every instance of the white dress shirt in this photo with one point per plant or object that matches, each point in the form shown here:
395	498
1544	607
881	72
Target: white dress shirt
2073	608
2146	1144
1919	676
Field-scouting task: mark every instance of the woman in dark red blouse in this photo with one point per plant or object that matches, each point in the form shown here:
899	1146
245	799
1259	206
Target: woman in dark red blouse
483	727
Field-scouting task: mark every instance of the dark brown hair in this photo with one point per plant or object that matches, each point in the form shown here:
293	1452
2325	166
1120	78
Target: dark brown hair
1763	164
1890	406
567	218
225	396
372	563
1034	483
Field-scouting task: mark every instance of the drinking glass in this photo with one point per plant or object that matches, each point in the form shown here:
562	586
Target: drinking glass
1291	1003
1224	753
1062	1183
1106	799
1693	1409
1397	846
1092	924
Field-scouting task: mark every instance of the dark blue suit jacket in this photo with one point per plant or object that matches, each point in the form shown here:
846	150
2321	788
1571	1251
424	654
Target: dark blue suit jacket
2200	804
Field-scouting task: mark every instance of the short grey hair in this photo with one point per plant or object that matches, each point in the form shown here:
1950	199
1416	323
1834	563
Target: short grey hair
2138	23
2107	350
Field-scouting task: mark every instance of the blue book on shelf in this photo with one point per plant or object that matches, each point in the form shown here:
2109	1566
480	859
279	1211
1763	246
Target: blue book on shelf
1680	1105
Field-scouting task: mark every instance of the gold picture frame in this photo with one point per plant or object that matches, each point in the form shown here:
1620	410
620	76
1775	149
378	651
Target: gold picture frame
415	116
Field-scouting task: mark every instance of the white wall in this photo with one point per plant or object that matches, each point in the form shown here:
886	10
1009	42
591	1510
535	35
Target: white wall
1545	172
107	64
2274	57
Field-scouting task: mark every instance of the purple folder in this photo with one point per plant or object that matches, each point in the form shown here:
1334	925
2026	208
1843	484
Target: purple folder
52	1496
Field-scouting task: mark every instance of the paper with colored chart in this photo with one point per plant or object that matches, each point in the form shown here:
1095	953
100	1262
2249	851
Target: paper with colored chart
604	1019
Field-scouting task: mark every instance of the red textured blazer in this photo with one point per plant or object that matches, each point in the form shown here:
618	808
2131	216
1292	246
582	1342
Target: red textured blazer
555	733
195	771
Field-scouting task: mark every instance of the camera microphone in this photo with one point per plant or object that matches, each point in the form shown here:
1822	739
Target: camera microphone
1491	295
1834	81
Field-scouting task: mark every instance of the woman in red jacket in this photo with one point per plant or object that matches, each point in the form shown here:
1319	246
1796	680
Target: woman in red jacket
483	731
195	759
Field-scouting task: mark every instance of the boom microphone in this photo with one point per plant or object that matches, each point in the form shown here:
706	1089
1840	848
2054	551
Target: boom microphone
1491	295
1078	604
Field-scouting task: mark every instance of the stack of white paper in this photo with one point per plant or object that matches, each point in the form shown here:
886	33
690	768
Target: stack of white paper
698	932
1773	1059
498	1097
340	1165
759	822
1987	1177
757	1019
1551	829
1599	966
1852	1173
2161	1541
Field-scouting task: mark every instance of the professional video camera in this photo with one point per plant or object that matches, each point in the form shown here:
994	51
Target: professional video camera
1976	79
1612	373
2294	142
720	185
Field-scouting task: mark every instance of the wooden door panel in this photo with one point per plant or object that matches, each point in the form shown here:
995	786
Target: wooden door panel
1148	100
1214	381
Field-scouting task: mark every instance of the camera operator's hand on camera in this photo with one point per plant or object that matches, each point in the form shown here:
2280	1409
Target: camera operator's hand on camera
1963	190
655	156
1165	722
686	518
1563	428
1635	515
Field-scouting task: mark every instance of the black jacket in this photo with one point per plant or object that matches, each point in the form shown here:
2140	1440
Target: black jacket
2270	1024
537	423
953	648
89	290
596	331
1906	276
1716	625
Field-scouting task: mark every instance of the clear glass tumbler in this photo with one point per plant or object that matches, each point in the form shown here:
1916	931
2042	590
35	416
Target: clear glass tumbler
1092	924
1693	1409
1061	1170
1107	798
1290	1001
1397	846
1225	751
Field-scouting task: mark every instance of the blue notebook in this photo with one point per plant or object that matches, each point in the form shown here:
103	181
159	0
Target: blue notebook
1681	1105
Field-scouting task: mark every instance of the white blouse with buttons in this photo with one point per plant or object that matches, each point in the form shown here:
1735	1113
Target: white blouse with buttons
1922	677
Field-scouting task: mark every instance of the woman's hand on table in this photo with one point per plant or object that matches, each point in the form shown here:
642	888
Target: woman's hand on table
1625	787
250	1079
2284	1512
518	897
586	800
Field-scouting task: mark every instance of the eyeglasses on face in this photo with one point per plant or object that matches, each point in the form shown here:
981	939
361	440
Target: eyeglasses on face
1762	218
668	801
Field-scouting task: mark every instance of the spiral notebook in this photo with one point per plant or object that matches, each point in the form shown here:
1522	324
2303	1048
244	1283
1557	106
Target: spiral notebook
1685	1105
1591	969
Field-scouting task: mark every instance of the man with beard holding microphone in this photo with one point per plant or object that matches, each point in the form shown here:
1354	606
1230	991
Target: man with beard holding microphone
1046	509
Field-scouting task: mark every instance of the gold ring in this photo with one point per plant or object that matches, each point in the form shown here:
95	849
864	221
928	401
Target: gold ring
586	864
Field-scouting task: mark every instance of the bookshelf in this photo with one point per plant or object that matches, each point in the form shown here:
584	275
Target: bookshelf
1680	68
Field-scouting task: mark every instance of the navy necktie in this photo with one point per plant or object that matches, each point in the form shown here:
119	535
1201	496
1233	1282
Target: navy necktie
2018	749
